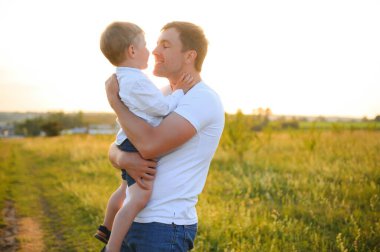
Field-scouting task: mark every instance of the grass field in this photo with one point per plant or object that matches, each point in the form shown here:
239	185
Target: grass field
337	126
292	191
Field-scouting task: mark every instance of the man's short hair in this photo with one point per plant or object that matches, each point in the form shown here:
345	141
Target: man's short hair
192	38
116	38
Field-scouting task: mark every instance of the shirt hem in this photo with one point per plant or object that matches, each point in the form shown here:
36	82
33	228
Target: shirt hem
166	221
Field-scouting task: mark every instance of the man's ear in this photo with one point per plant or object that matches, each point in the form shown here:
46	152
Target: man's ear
191	55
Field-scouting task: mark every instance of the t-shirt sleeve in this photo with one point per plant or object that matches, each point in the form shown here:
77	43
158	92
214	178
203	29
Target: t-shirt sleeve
146	97
197	109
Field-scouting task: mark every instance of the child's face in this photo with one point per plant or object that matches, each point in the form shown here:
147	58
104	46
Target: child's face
142	53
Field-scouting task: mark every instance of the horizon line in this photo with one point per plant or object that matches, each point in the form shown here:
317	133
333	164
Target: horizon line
251	113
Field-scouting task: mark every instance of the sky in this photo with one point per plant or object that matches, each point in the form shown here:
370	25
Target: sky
295	57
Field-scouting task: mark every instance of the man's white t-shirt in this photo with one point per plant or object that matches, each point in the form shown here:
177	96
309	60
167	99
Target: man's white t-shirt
143	98
181	174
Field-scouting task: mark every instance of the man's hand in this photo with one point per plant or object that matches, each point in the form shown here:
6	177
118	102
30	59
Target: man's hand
137	167
112	90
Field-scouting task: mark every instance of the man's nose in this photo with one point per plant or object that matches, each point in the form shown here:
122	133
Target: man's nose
155	51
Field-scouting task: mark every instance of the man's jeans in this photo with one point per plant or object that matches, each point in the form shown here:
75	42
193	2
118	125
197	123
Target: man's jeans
152	237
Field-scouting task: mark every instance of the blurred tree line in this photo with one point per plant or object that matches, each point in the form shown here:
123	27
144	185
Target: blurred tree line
51	124
241	132
239	129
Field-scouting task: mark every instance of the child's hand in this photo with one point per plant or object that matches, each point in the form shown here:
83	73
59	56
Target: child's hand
185	82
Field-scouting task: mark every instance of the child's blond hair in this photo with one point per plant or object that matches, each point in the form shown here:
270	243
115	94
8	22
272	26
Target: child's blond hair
116	38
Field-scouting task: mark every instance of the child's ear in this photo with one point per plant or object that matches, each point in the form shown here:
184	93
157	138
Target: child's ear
191	55
131	51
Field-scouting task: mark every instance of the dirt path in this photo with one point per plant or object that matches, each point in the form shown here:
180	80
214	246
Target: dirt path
23	234
8	232
30	235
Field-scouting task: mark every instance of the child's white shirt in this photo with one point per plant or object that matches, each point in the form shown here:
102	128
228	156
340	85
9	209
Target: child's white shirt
143	98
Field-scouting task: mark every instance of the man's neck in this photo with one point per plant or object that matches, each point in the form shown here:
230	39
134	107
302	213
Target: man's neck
196	79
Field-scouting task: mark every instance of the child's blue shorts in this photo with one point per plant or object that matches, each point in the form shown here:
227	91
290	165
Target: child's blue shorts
128	147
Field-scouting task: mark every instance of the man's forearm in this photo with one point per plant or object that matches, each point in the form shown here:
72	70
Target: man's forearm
137	167
137	130
150	141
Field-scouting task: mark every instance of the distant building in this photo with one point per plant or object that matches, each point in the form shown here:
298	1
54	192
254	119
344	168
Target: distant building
7	131
75	131
93	129
102	129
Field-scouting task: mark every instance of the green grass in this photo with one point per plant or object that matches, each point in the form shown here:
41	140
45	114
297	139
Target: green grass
370	125
62	182
293	191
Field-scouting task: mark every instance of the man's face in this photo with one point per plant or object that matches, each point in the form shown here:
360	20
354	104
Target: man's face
168	54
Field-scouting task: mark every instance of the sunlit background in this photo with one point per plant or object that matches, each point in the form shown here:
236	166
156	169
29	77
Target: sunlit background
295	57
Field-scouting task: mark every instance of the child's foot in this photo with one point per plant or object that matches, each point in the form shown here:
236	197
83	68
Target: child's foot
102	234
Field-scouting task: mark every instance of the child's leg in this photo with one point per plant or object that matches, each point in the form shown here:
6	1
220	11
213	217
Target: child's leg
115	202
137	200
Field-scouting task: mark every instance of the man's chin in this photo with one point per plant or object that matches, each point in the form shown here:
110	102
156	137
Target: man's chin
158	73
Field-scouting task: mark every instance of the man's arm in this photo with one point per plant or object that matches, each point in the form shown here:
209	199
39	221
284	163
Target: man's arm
150	141
137	167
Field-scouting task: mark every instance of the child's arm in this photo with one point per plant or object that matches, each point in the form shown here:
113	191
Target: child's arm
147	98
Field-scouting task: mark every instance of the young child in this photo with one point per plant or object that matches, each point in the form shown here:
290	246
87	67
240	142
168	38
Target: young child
123	44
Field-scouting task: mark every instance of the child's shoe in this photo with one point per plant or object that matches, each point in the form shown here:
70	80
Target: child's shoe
102	234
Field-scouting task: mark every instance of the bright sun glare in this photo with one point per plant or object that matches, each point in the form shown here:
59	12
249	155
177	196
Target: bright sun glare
296	57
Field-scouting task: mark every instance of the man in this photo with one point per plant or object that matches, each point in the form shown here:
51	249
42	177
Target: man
185	141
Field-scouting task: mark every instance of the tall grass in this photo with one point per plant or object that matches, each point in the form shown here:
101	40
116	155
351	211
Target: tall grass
290	191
